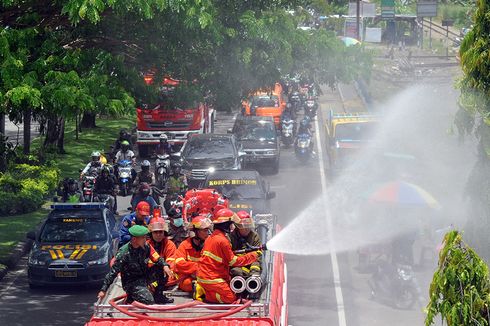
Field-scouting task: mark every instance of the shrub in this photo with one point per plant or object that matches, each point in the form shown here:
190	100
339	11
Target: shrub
24	188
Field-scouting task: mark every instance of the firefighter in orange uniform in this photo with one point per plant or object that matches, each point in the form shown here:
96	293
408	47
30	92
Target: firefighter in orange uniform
166	249
213	272
189	252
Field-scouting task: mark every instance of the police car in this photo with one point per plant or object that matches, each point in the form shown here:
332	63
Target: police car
74	245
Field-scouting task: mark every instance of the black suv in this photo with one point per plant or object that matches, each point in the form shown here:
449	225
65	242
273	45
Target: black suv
73	246
259	140
246	190
204	153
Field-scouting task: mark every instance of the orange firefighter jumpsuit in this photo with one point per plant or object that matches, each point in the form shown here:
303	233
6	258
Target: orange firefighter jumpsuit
167	252
186	261
213	273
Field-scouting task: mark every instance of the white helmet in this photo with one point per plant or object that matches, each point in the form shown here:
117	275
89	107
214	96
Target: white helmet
163	137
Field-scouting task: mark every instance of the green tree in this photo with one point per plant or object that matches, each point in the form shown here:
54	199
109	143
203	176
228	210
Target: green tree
460	288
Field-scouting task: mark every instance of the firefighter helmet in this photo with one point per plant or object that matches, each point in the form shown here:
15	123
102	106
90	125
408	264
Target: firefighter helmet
201	222
158	224
225	215
246	221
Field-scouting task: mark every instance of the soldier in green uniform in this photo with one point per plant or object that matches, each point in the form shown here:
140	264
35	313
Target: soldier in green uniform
132	262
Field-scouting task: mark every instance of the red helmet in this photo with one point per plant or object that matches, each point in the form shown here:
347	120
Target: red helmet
225	215
246	221
201	221
158	224
143	208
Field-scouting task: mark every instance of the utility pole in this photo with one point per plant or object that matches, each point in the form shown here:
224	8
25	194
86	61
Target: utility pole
358	19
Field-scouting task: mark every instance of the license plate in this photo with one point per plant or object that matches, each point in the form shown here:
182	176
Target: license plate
65	273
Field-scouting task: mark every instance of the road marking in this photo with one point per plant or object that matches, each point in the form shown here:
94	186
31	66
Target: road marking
333	254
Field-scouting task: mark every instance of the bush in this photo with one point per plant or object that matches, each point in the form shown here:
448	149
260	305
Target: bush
24	188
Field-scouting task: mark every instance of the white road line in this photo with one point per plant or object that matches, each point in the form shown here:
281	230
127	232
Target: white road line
333	254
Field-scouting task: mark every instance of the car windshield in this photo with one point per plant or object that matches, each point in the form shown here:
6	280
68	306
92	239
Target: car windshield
74	227
256	131
265	101
207	148
237	188
355	131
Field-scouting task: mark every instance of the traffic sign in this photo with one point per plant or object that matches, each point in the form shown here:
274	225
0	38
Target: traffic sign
388	9
426	8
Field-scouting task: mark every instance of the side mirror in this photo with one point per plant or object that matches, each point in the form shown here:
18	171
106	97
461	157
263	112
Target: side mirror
31	235
229	131
176	156
241	153
271	195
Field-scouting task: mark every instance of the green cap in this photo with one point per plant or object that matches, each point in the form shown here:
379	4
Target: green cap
138	230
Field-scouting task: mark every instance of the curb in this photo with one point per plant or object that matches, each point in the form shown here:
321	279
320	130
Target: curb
17	253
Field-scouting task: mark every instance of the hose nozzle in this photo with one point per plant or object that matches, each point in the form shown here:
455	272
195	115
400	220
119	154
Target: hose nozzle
250	249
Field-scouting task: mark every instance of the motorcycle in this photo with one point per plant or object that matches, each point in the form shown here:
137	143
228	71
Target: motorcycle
162	170
88	185
310	108
395	284
295	100
303	148
124	175
287	131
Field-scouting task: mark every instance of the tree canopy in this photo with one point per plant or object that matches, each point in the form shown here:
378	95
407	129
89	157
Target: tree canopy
64	58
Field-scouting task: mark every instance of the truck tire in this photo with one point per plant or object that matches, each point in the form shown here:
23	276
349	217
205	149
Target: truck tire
143	150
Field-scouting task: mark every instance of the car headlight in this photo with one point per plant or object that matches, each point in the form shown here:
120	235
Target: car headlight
211	169
35	261
271	152
101	261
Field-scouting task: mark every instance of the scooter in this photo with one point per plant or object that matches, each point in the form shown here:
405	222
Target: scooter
395	284
124	174
162	170
88	185
303	147
287	131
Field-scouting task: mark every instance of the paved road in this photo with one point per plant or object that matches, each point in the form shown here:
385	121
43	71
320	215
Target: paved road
317	296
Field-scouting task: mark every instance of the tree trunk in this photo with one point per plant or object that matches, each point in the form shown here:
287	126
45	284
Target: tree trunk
2	123
88	121
55	134
26	119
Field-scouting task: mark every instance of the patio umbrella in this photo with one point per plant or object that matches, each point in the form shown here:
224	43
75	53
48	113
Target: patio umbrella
349	41
402	193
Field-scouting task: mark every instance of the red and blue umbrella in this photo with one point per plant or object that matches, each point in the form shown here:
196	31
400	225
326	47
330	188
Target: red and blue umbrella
402	193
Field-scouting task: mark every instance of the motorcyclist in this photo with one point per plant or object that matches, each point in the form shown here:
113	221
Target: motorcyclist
163	146
94	166
105	185
304	127
71	191
125	154
143	194
145	175
123	136
176	185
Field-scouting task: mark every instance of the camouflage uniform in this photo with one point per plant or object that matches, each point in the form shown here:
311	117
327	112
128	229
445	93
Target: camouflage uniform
132	263
237	243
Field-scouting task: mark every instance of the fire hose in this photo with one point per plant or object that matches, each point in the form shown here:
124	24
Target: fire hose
250	249
143	316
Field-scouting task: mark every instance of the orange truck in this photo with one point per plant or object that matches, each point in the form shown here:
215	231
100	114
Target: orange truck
266	103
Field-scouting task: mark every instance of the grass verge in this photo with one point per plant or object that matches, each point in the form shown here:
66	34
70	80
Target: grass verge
14	228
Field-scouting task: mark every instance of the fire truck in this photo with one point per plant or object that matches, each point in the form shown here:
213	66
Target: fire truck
177	122
264	297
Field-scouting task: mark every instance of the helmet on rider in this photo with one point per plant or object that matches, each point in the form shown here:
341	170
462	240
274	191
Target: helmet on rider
145	166
123	134
144	189
71	185
176	168
305	122
163	138
95	156
124	145
105	171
